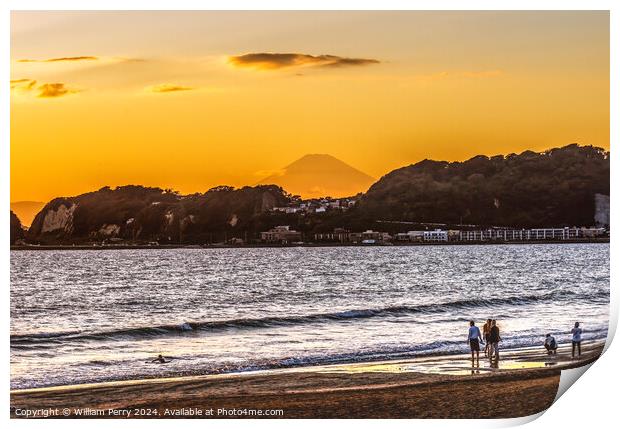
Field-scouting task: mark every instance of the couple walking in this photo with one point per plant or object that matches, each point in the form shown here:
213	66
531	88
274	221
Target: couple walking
491	340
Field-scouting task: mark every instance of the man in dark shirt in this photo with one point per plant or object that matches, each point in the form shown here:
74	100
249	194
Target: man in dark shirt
551	344
494	339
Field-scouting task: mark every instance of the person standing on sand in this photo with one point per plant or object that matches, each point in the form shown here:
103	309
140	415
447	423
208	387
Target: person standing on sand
576	331
474	339
494	339
485	332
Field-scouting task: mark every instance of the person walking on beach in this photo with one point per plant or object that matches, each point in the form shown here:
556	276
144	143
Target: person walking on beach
474	338
551	345
576	331
494	339
486	329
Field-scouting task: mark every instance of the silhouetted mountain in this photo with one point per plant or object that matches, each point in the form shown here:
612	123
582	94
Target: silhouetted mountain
314	176
26	210
552	188
142	214
17	232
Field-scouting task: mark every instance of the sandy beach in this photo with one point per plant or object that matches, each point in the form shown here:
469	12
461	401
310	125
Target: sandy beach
525	382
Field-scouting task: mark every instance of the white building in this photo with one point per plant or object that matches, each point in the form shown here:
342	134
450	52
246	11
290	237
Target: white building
280	234
409	236
528	234
436	235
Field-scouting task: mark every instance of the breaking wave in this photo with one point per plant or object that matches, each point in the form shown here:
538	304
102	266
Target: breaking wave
294	320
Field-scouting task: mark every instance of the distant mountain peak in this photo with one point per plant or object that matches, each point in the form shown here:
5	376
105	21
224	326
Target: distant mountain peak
317	156
319	175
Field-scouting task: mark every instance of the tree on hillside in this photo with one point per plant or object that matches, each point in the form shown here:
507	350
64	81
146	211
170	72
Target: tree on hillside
551	188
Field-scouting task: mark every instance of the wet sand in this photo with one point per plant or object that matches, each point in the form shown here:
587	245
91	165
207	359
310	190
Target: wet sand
524	383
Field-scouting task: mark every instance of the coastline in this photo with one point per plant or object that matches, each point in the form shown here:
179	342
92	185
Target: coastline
443	386
262	245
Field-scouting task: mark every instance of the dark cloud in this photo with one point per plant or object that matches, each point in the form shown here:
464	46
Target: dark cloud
165	87
45	90
345	62
270	61
53	90
61	59
24	84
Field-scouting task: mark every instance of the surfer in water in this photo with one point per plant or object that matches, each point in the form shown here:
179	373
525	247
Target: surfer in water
160	359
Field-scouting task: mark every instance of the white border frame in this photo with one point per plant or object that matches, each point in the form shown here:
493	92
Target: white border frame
590	402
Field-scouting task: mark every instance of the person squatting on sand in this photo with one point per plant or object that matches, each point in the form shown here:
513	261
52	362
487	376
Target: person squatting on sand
486	329
551	344
576	331
474	339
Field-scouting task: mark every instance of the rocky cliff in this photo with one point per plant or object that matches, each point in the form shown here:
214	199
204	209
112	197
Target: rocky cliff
17	231
143	214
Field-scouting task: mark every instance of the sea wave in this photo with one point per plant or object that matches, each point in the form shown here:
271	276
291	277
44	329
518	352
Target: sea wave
190	365
468	305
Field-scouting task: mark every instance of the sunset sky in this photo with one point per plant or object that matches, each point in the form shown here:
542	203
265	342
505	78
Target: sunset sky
190	100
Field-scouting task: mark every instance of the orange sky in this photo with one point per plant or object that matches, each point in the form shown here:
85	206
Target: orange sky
183	100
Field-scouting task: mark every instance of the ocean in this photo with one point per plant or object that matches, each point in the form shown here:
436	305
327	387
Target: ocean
82	316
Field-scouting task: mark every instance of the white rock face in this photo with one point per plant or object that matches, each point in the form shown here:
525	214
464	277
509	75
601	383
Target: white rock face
109	230
62	218
169	216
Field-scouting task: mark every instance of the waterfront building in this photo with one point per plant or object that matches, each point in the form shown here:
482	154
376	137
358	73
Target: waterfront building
436	235
280	234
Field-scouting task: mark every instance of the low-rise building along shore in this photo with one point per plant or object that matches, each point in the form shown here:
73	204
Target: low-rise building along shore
281	234
341	235
284	235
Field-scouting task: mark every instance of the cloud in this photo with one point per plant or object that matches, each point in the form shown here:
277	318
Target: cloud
45	90
272	61
333	61
61	59
165	87
53	90
480	74
460	75
269	173
130	60
23	84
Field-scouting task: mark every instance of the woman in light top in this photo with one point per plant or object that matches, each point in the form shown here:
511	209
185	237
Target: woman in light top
486	330
576	331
